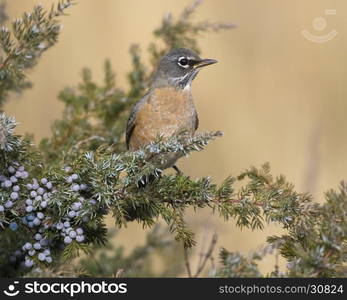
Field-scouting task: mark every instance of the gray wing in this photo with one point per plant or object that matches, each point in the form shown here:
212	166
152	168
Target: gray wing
132	119
196	121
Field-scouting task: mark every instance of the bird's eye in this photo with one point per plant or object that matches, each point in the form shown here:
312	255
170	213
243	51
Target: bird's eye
183	62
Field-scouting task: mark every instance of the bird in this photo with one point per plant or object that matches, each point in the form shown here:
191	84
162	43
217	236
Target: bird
168	107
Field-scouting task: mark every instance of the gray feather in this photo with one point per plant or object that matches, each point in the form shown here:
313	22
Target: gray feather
196	120
132	118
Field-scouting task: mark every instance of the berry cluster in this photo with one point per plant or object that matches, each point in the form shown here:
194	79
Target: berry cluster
12	183
68	232
76	208
39	249
72	180
36	196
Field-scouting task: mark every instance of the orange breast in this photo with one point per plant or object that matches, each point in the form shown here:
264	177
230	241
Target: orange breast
166	112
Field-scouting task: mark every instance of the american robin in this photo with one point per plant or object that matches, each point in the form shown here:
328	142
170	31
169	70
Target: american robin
168	106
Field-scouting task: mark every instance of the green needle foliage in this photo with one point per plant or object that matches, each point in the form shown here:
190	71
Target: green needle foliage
54	197
22	46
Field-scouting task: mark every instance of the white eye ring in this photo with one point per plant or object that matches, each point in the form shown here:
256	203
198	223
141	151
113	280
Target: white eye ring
183	62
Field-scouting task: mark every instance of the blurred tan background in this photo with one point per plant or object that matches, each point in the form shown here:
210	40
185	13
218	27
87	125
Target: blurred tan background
278	96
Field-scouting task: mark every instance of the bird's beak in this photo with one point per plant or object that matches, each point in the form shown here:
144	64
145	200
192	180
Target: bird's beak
204	62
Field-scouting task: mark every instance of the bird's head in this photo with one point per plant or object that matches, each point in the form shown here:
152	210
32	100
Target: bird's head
178	68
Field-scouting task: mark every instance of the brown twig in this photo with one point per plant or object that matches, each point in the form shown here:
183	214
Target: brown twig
277	268
208	255
218	200
201	254
6	61
77	145
213	266
187	263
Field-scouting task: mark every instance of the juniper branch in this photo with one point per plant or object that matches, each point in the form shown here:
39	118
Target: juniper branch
21	48
53	200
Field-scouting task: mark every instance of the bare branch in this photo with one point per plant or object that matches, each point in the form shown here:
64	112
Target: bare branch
208	255
187	263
